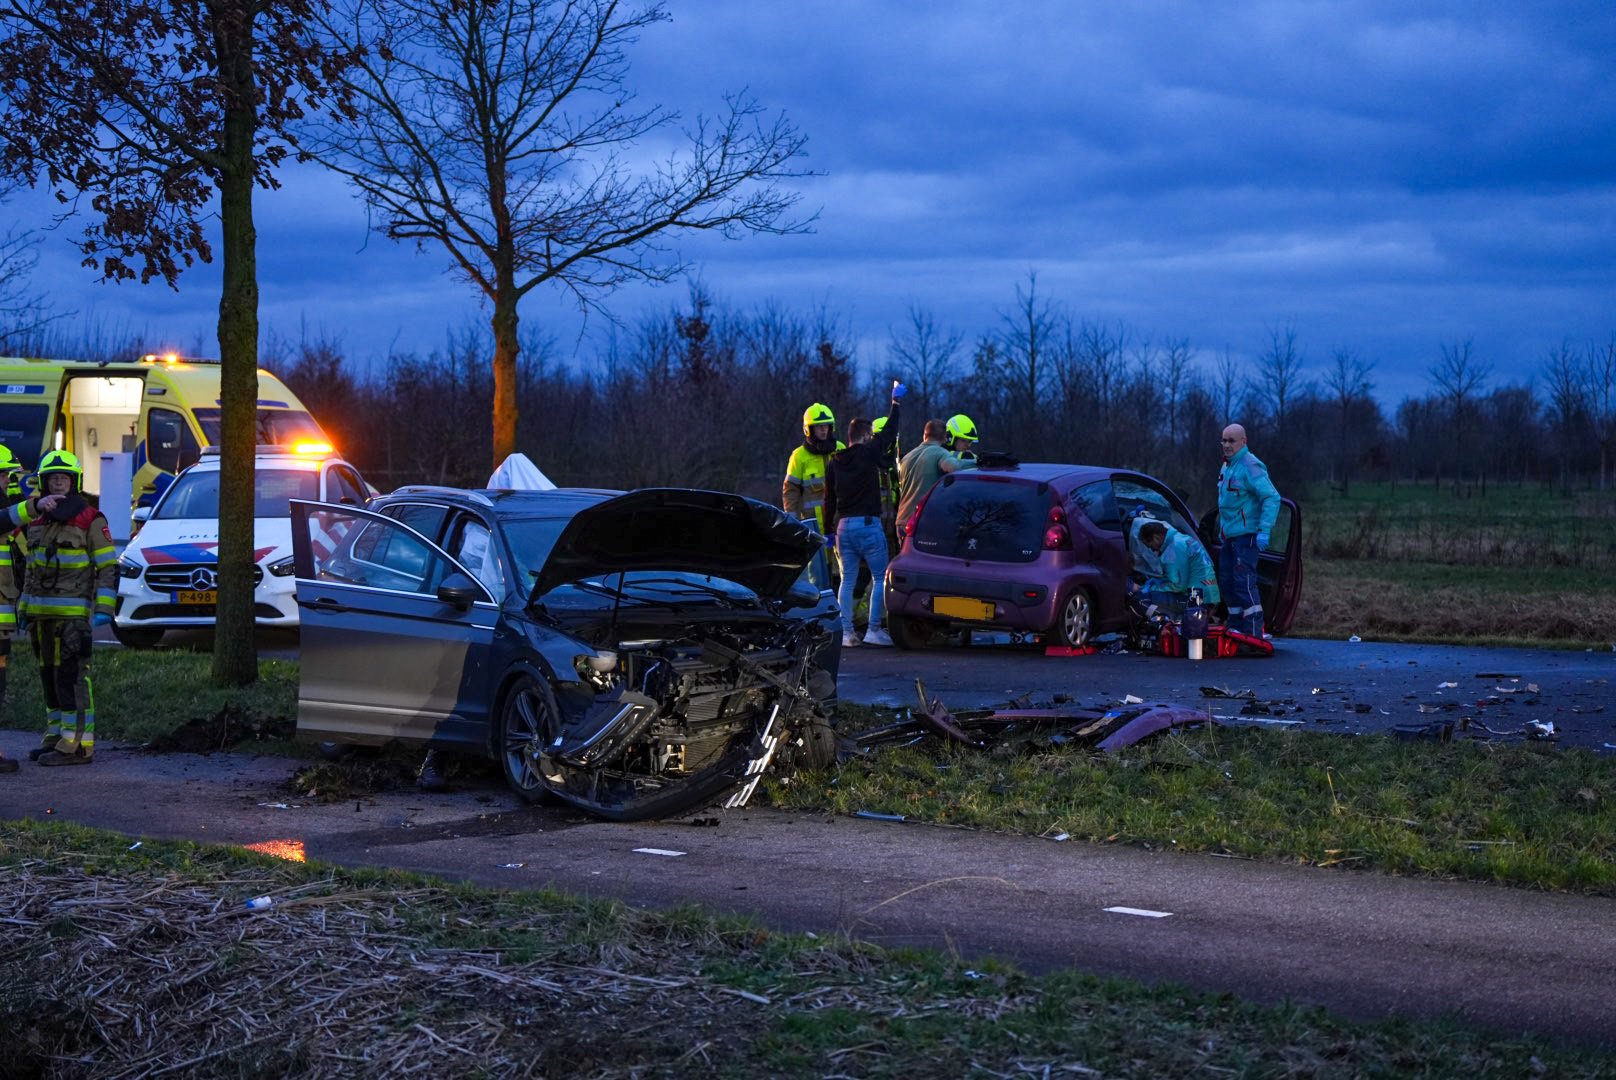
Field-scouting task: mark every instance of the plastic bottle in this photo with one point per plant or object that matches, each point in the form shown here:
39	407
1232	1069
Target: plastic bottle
260	903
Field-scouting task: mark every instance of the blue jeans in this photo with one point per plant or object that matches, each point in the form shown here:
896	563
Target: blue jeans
862	539
1237	578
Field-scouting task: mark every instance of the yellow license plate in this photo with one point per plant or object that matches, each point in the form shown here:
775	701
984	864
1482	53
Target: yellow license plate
197	596
962	607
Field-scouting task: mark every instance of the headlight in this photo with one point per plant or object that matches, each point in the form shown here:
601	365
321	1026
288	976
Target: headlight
601	663
282	567
127	567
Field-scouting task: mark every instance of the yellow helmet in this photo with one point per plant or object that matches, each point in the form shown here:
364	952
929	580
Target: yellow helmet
960	427
816	414
8	460
60	461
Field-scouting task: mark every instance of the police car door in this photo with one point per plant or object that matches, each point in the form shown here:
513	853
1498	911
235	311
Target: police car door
395	633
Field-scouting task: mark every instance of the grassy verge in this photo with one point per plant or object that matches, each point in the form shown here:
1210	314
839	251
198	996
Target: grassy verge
1466	605
125	960
142	696
1519	815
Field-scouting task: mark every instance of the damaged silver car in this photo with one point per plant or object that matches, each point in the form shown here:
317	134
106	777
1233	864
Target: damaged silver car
636	655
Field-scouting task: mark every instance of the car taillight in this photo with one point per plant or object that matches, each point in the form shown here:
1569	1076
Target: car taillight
1056	536
909	526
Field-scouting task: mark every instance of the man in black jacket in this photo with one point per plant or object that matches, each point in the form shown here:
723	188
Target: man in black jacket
853	517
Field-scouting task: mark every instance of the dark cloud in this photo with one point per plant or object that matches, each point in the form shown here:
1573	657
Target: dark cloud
1380	175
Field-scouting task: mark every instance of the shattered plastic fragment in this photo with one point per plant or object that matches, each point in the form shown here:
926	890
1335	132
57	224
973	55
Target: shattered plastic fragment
1447	686
871	815
1129	699
511	865
1355	638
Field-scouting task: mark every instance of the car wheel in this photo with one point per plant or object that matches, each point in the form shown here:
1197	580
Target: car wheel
1076	622
908	633
137	637
818	749
527	722
335	751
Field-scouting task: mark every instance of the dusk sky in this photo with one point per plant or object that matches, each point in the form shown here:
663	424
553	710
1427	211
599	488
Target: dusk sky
1382	176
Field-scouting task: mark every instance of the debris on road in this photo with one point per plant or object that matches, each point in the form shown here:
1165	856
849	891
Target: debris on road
872	815
1225	692
1354	639
1104	729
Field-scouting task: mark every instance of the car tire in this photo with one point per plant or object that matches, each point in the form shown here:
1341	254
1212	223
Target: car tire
818	749
137	637
335	751
1075	625
907	632
527	718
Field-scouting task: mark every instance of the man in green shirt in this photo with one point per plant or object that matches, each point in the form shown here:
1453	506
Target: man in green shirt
921	468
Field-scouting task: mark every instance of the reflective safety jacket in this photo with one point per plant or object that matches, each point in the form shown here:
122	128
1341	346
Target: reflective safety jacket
1248	502
1186	565
802	493
72	565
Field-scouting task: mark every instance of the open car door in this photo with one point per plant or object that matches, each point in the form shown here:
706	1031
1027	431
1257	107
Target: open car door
1279	568
396	635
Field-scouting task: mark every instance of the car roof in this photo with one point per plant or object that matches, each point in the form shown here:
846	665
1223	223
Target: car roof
559	502
1044	472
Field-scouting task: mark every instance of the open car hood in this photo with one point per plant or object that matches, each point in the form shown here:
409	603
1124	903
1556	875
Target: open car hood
684	531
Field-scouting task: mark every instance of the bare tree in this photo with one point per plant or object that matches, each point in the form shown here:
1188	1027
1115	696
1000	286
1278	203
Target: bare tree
1458	378
153	107
1566	381
501	131
1176	360
1279	376
1599	381
1025	340
23	311
1347	380
1227	384
927	356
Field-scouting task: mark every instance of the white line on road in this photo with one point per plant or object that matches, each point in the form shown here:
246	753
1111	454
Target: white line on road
658	851
1140	911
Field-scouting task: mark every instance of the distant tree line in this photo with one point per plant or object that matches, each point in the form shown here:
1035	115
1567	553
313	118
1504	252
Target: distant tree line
705	394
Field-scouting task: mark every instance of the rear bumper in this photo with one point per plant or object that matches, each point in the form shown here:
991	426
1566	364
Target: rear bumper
1017	605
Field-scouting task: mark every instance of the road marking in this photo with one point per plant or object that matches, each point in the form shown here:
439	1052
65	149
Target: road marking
658	851
1140	911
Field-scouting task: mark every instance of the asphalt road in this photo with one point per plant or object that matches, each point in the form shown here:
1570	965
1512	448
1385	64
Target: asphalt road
1361	944
1328	685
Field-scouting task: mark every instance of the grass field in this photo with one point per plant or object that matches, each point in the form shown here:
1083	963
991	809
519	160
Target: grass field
141	696
1521	815
1516	565
127	962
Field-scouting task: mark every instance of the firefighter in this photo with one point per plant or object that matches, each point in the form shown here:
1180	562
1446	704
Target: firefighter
962	437
1248	506
889	487
802	493
70	587
9	567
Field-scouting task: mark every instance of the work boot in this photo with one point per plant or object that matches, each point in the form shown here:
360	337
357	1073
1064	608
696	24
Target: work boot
850	640
430	777
79	756
8	764
40	751
877	636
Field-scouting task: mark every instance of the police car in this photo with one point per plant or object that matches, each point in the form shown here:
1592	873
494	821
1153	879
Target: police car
168	574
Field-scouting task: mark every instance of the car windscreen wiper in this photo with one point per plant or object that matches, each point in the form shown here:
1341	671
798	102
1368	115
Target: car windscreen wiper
696	586
607	590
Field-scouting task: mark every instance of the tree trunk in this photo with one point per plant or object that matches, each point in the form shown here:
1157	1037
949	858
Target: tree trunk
235	653
505	353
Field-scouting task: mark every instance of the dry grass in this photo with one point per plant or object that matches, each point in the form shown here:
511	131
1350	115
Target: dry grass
1386	601
143	962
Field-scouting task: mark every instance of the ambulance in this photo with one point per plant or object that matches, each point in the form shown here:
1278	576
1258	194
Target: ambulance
161	408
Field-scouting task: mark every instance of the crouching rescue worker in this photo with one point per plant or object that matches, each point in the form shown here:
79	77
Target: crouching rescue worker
1248	506
10	567
1183	566
70	587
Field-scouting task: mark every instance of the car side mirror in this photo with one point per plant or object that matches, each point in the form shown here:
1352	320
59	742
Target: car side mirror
802	594
460	591
140	514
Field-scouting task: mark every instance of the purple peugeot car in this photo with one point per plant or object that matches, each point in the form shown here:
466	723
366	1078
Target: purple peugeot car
1042	549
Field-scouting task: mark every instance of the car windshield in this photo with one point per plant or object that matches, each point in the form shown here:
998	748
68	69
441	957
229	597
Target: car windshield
196	493
983	519
531	540
276	427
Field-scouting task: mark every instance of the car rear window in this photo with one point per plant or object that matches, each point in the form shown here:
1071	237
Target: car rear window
982	519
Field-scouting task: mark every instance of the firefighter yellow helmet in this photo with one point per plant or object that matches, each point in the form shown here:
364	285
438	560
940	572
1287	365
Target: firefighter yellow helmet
960	427
60	461
816	414
8	460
